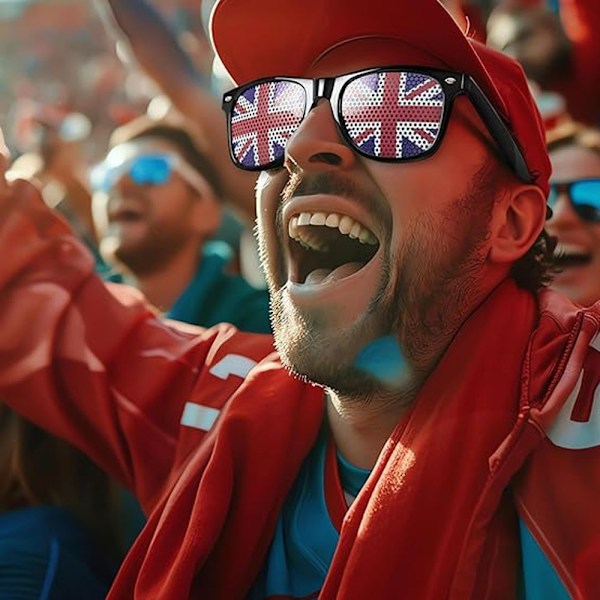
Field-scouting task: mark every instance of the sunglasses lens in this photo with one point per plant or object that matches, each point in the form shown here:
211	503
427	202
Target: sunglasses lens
552	196
393	114
586	198
154	170
263	118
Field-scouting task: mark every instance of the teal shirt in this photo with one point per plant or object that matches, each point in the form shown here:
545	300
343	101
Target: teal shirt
307	533
214	296
306	537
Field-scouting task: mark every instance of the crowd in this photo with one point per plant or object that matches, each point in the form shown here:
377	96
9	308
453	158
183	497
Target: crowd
305	311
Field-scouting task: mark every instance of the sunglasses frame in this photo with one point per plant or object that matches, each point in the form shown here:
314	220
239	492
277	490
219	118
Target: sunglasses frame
564	187
332	89
175	162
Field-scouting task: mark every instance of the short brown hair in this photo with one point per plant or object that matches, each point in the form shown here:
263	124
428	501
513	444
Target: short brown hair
175	133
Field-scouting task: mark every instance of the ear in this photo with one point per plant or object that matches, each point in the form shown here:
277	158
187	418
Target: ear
517	221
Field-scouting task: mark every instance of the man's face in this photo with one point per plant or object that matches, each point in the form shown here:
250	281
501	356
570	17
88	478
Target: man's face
578	240
424	226
147	224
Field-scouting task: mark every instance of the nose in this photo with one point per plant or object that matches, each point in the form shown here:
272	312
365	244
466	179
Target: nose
124	183
318	143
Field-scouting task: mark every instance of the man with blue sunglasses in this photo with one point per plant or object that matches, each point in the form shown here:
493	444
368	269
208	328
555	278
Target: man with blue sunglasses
575	199
157	206
425	425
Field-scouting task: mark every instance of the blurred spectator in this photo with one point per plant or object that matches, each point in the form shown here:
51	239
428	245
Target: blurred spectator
61	56
159	52
575	200
59	519
559	51
182	78
157	205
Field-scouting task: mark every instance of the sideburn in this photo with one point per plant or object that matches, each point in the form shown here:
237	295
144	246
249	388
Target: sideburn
431	301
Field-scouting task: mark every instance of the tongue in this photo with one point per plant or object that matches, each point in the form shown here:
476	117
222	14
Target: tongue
319	276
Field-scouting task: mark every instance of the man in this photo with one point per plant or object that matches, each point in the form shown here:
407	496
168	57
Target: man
574	151
439	440
157	203
155	47
144	34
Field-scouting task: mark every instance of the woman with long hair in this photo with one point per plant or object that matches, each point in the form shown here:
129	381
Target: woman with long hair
59	517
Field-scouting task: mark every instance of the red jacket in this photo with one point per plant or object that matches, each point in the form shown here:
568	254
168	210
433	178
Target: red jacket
210	431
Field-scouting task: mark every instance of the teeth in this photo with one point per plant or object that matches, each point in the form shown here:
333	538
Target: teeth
364	236
570	249
293	227
355	231
345	224
304	219
318	219
333	221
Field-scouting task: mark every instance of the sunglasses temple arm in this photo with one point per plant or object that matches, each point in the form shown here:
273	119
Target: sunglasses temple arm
498	129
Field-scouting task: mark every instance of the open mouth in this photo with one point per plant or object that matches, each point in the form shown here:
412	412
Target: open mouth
328	247
565	261
567	256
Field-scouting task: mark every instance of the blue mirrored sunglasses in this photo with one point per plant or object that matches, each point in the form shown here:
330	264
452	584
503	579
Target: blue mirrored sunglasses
146	169
583	194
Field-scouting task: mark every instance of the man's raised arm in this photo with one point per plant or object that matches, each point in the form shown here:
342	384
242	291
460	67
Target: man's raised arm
158	52
88	363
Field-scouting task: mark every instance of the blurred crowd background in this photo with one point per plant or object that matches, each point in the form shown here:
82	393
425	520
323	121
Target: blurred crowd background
58	60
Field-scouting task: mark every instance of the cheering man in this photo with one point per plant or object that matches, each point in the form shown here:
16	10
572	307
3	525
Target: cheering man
426	427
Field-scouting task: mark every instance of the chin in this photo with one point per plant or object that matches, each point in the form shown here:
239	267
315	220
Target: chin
327	355
342	377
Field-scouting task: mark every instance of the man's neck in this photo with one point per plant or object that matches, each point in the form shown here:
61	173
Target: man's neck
361	429
163	286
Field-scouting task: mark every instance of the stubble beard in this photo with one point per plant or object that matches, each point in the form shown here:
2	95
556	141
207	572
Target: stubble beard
423	308
152	253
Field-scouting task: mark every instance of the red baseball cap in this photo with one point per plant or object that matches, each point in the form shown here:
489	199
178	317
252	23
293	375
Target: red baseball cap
263	38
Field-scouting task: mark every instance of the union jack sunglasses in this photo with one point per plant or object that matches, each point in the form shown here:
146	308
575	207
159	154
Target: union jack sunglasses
393	114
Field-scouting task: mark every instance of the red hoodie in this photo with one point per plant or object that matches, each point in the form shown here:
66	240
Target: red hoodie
210	431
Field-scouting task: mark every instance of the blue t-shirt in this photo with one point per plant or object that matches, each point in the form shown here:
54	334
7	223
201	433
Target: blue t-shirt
47	554
308	527
307	533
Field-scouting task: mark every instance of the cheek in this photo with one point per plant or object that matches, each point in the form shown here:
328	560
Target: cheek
268	196
595	237
168	211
